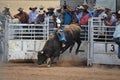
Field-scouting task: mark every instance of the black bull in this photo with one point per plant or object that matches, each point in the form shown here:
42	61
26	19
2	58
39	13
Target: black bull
53	47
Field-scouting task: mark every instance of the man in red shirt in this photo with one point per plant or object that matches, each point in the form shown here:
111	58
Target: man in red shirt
84	19
22	16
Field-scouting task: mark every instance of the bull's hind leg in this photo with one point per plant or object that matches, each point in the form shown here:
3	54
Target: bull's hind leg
71	47
78	43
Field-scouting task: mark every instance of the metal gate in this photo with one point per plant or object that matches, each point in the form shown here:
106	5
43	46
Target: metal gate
24	40
3	20
101	48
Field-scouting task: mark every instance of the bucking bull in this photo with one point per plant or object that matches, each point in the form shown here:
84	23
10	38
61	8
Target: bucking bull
53	47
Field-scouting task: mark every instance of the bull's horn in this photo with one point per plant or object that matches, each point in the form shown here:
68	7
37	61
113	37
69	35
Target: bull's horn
42	52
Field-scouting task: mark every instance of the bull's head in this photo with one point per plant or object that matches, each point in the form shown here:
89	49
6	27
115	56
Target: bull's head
41	57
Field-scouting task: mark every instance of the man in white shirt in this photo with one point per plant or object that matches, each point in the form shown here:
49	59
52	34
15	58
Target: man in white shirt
101	12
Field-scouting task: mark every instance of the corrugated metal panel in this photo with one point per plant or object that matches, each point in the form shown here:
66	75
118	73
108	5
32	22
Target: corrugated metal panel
24	49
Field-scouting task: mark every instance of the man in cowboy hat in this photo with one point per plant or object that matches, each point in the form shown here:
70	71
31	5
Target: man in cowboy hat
6	12
40	18
50	11
33	14
86	7
67	15
22	16
101	12
41	10
79	12
58	13
41	7
107	9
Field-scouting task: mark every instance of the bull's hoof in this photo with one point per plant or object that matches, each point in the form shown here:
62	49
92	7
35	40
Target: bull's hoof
48	66
48	62
39	64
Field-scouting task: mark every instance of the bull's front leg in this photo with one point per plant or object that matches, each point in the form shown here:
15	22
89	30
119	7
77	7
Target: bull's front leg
49	62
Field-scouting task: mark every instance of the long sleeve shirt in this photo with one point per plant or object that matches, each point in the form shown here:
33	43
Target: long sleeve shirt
23	17
33	16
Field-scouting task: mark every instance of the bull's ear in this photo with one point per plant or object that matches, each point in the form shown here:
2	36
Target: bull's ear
42	52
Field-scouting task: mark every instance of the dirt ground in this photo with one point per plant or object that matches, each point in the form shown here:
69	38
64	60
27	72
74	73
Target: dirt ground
32	71
64	71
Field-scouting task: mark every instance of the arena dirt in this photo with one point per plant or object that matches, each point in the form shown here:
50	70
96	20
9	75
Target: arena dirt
65	71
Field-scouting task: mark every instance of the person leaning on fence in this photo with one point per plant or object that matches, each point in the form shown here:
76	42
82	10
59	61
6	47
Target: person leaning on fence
86	7
40	18
33	15
101	12
41	10
110	21
22	16
50	11
84	18
107	10
6	12
79	13
95	11
116	38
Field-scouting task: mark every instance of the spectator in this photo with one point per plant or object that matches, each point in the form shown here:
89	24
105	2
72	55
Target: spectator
86	8
79	13
95	11
101	12
6	12
74	18
67	16
107	10
40	17
116	38
58	13
118	15
50	11
85	17
22	16
110	20
33	15
41	8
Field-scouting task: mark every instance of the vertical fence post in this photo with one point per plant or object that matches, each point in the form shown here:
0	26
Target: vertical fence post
5	55
47	26
90	43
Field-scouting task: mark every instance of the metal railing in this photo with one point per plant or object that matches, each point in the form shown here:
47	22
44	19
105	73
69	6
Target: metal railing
28	31
17	31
